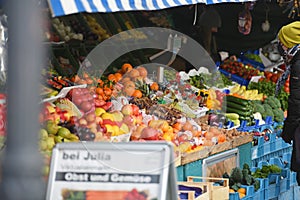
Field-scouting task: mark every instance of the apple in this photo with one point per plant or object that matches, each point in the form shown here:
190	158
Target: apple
90	117
129	120
127	109
73	119
50	109
99	120
86	106
99	111
117	115
108	121
149	133
103	128
83	122
124	129
135	109
92	125
138	118
99	103
107	116
183	138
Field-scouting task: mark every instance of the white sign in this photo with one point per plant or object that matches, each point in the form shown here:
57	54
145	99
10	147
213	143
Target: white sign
119	171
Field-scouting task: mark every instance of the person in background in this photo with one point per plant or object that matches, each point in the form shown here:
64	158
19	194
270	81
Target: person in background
208	23
289	48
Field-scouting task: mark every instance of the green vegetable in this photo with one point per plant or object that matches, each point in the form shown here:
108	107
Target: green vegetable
273	102
236	175
278	115
256	184
236	186
275	168
258	108
268	89
268	111
237	100
238	106
237	111
232	116
246	166
247	178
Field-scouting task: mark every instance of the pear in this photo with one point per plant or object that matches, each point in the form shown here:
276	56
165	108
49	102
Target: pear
50	143
74	138
64	132
43	134
43	145
58	139
52	128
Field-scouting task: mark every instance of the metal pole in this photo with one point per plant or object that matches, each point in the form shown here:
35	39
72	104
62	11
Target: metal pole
22	163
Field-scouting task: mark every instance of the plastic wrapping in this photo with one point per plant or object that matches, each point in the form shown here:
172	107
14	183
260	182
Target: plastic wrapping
3	49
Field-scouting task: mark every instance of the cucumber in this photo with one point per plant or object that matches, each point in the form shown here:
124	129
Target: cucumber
232	116
237	111
242	118
238	106
230	98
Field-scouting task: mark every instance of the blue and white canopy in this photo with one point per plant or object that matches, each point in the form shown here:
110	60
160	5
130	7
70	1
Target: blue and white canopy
66	7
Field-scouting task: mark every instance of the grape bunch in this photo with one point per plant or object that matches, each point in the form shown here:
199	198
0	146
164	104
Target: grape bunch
84	133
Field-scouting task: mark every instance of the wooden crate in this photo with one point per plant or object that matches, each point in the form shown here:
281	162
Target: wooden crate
215	192
191	194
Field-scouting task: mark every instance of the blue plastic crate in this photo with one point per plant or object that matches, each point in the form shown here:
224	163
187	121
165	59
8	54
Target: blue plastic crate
235	78
293	180
254	63
273	186
260	193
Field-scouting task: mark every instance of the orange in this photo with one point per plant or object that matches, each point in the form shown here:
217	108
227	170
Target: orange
129	88
154	86
187	126
126	67
111	77
137	94
177	126
107	91
134	73
143	71
221	138
99	90
118	76
89	81
242	191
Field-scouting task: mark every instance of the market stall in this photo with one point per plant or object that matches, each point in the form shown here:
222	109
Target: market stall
215	116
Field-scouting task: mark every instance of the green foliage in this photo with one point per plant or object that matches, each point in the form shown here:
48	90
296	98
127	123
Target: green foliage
256	184
275	169
266	170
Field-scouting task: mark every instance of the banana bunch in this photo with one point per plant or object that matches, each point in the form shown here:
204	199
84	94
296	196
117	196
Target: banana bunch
247	94
212	102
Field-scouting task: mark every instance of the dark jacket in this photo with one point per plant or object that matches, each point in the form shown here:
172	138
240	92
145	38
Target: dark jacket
292	123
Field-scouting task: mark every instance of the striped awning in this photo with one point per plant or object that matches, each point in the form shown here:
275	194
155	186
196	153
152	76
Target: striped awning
67	7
